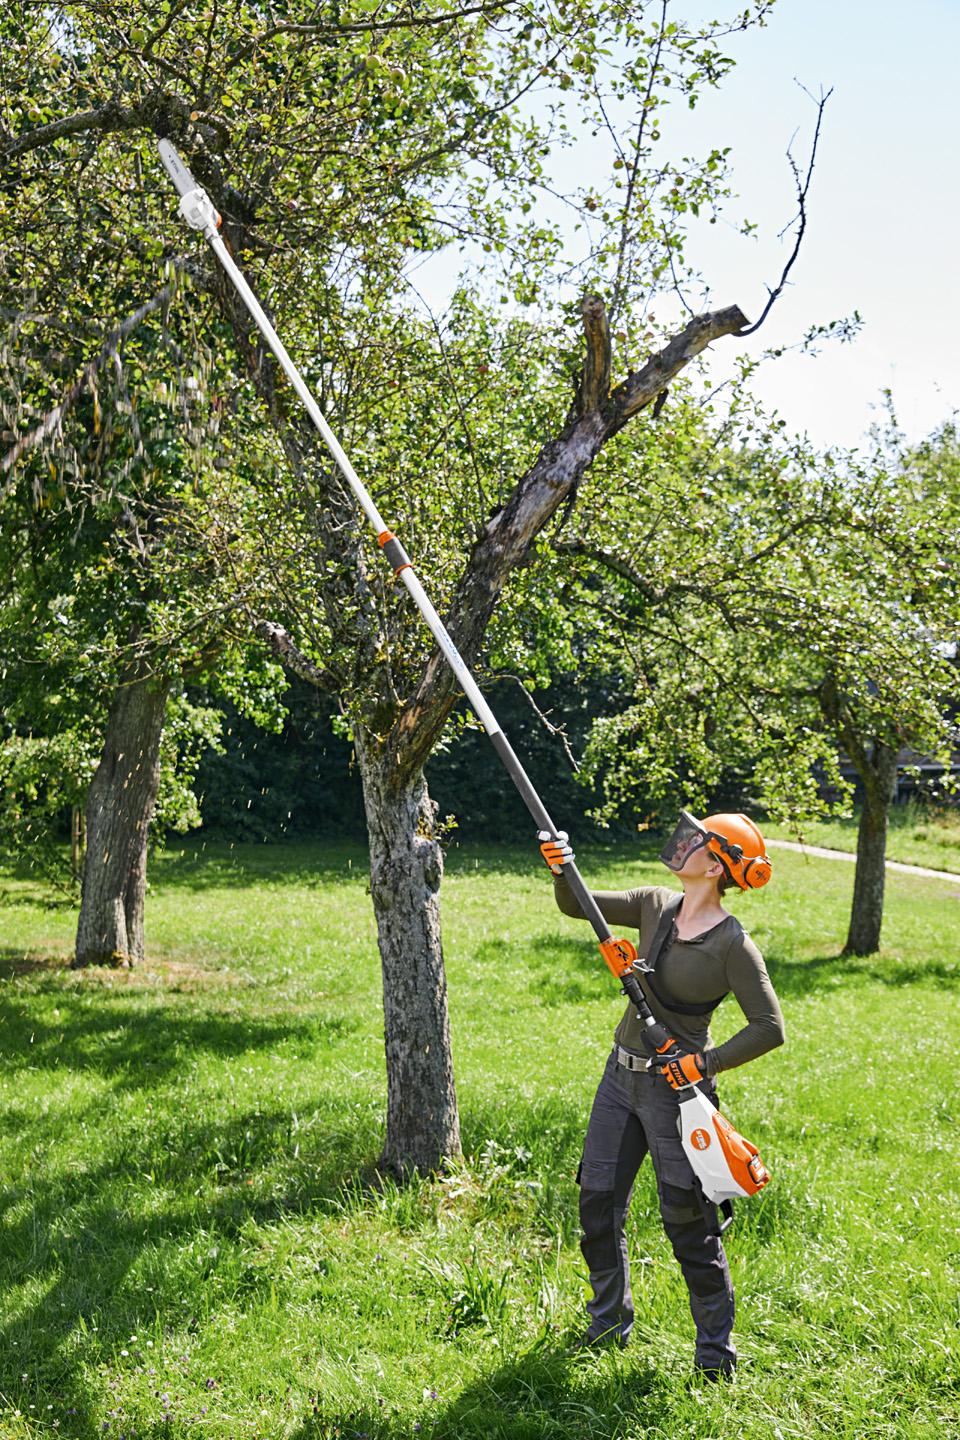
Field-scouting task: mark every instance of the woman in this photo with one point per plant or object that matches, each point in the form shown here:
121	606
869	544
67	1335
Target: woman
697	953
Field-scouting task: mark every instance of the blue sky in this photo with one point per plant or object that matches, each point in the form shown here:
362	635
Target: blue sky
883	214
882	235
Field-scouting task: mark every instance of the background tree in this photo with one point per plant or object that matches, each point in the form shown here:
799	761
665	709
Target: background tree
903	555
773	607
106	542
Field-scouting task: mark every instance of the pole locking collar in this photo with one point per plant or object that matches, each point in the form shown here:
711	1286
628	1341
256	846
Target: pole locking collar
197	209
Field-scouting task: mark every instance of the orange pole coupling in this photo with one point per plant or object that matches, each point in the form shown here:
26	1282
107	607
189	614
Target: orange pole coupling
394	552
619	955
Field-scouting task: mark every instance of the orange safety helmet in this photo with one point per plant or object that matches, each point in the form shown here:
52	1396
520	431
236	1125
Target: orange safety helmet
733	839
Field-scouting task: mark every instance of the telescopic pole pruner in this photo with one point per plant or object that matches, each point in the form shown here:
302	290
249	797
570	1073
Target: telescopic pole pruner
198	211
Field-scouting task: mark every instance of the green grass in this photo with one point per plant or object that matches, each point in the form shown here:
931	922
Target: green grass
195	1240
919	834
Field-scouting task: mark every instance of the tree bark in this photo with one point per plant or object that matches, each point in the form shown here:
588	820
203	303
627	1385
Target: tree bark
866	914
406	867
119	809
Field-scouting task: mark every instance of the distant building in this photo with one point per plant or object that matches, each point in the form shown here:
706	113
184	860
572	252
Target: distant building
917	775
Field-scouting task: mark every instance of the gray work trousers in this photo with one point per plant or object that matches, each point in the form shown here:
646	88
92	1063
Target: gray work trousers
634	1113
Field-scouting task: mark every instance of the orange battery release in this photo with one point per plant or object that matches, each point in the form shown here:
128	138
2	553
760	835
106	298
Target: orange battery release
746	1167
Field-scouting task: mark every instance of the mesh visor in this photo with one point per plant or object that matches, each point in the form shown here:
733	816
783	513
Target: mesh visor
686	838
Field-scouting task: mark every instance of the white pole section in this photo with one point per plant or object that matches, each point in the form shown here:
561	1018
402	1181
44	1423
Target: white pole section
198	210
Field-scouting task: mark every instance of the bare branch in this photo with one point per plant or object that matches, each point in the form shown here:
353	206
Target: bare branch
642	386
708	593
334	32
290	655
175	11
802	190
619	288
612	562
556	731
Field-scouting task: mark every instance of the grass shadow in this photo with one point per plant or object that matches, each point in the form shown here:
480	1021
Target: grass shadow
540	1394
795	978
14	962
157	1227
112	1271
137	1049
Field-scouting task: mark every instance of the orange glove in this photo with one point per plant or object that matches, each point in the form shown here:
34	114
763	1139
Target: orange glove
555	849
684	1070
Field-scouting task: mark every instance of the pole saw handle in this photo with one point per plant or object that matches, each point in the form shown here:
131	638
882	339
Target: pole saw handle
619	955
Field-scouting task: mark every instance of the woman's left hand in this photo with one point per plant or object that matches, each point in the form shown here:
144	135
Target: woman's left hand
684	1070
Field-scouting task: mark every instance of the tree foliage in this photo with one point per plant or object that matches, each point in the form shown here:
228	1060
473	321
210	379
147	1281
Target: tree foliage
773	608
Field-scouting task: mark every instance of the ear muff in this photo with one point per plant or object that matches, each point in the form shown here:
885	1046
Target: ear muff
757	872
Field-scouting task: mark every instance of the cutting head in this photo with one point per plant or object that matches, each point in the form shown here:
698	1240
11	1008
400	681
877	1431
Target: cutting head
175	168
196	207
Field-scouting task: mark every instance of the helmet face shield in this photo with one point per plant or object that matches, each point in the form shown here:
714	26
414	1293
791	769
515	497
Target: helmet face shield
734	840
688	837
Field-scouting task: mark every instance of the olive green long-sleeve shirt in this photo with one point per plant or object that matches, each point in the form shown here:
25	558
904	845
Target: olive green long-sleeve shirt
722	960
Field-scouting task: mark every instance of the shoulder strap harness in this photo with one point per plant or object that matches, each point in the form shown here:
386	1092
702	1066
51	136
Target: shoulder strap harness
646	967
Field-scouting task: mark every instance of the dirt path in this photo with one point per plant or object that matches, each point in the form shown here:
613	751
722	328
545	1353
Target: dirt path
821	853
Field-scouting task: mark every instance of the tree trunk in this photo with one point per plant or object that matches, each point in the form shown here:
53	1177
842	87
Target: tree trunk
119	809
866	915
406	867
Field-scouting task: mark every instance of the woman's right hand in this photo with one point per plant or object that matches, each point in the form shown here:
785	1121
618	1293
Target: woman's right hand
555	849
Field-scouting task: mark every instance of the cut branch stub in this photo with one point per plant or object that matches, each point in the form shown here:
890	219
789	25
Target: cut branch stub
595	385
289	654
642	386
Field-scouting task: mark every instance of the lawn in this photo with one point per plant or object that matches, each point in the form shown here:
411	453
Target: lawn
196	1241
918	834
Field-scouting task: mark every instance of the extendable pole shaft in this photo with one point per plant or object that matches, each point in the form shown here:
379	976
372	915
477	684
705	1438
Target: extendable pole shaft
198	211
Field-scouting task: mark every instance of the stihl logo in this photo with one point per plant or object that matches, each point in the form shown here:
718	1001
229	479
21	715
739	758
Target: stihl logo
701	1139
